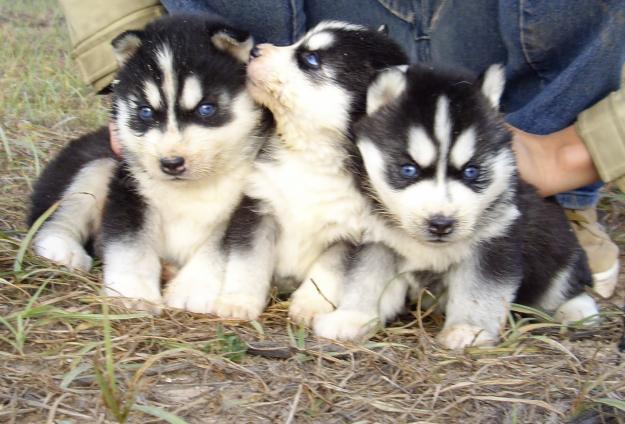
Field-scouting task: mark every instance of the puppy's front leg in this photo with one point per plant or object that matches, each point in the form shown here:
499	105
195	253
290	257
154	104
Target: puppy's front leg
196	286
477	305
321	290
250	264
372	294
132	271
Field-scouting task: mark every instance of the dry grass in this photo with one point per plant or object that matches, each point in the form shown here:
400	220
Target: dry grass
64	358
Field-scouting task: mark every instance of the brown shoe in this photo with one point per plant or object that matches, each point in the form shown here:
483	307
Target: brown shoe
603	254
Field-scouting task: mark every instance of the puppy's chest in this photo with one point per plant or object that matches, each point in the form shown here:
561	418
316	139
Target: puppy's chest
185	220
315	204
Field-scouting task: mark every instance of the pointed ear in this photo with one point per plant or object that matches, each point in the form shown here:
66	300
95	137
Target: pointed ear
492	83
383	29
388	85
236	43
126	44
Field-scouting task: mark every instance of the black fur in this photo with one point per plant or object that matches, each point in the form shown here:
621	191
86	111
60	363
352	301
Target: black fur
194	54
539	243
60	172
355	57
124	210
244	221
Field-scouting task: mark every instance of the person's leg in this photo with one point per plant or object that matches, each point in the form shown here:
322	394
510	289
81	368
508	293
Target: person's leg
279	22
563	56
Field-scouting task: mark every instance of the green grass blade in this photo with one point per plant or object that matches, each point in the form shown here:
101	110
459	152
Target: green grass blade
159	413
19	258
614	403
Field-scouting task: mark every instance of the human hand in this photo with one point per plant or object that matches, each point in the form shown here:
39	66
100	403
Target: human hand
115	144
553	163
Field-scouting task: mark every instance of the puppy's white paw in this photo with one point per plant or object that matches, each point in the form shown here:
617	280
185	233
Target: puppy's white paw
345	325
62	249
305	306
191	294
577	308
136	295
239	306
459	336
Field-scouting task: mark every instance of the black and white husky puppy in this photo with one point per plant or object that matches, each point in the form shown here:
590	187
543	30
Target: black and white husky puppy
189	133
309	200
441	172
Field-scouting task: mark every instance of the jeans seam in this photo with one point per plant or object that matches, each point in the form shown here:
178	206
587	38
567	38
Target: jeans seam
526	53
410	17
293	20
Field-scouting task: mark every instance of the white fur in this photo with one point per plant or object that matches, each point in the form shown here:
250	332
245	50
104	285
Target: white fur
315	202
321	289
196	286
319	41
61	239
493	84
152	94
239	50
191	93
459	336
330	25
187	217
207	151
473	301
373	294
352	325
389	85
248	275
442	131
165	61
421	147
580	307
463	149
132	270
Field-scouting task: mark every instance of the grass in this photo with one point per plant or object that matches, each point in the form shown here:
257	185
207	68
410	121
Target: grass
64	357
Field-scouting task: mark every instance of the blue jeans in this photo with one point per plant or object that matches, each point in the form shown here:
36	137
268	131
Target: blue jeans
561	56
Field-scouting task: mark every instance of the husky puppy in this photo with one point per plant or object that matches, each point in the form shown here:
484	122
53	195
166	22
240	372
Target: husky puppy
189	133
309	201
441	172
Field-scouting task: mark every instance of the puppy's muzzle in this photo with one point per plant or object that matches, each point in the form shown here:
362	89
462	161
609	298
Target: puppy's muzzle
173	165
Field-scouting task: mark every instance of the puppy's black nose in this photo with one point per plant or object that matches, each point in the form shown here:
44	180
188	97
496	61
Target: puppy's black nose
255	52
440	225
173	165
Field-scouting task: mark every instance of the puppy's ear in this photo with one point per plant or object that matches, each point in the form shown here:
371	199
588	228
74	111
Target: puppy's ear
492	83
235	42
387	86
383	29
126	44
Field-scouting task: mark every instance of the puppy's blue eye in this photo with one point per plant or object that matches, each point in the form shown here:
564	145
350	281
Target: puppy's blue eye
146	113
409	171
470	173
206	110
311	59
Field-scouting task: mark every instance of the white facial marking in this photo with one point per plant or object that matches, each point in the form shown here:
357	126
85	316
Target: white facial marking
442	131
165	60
325	25
191	93
320	40
152	94
464	148
421	147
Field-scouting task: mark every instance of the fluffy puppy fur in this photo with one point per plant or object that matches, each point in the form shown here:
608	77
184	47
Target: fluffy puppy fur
310	207
189	133
442	176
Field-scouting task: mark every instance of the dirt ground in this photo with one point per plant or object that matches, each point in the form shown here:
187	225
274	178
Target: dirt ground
66	358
